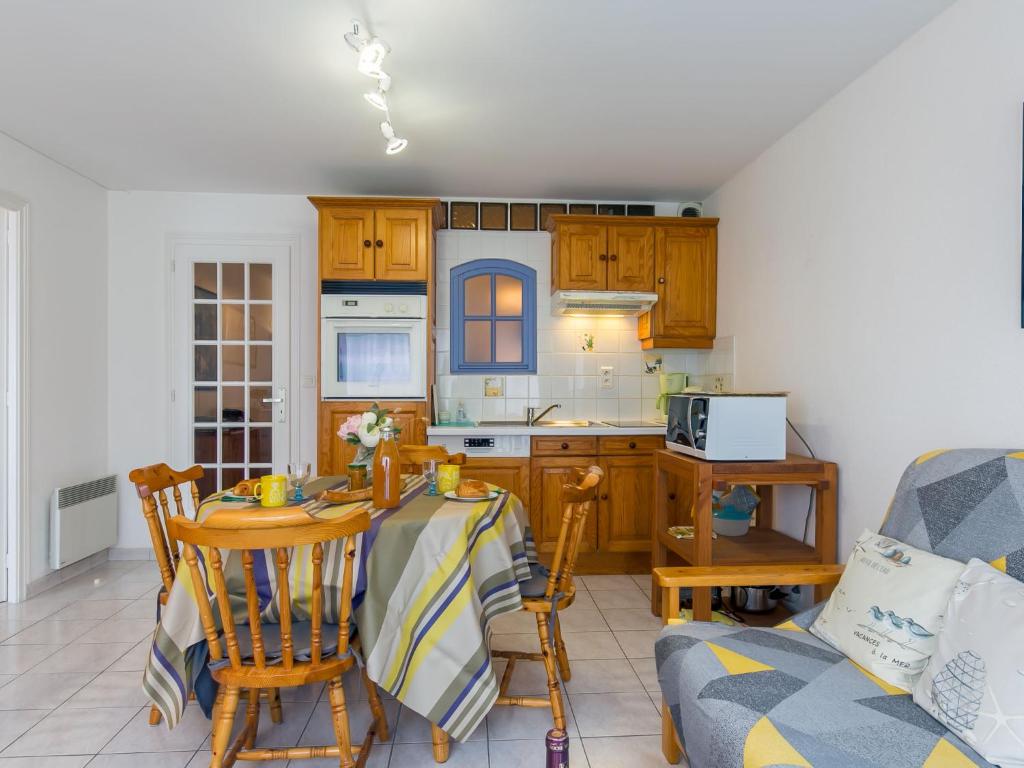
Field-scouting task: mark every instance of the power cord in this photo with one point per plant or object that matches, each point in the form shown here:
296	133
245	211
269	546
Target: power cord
810	498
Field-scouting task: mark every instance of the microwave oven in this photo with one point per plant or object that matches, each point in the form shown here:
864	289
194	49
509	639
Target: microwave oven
373	347
728	426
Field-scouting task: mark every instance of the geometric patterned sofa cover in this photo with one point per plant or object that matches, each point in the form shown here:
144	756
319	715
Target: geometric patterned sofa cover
742	697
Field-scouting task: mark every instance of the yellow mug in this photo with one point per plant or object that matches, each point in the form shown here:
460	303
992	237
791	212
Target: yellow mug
272	490
447	477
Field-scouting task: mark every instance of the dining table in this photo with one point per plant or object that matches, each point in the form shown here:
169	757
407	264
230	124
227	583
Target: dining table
430	576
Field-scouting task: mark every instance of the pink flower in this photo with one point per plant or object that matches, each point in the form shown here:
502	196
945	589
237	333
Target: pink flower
351	426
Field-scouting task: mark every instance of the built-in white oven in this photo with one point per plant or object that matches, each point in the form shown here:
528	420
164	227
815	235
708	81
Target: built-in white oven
373	347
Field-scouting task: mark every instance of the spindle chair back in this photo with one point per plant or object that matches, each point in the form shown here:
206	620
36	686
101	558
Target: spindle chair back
413	456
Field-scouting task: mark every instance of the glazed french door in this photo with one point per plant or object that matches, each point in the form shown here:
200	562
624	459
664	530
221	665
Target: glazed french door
231	339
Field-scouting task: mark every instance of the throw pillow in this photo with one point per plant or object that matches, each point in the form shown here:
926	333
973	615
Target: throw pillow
888	608
974	682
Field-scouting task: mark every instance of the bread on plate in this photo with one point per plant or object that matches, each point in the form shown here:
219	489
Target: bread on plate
472	489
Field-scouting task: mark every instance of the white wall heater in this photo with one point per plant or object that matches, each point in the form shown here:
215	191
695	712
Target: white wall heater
83	520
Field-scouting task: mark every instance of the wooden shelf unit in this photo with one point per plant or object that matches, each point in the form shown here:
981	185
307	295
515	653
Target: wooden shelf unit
683	497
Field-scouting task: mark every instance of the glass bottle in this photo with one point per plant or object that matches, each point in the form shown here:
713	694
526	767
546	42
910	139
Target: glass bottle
387	471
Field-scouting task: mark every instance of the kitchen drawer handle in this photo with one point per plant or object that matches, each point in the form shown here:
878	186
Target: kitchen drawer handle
632	443
565	446
603	257
661	280
367	244
604	497
380	243
613	257
671	497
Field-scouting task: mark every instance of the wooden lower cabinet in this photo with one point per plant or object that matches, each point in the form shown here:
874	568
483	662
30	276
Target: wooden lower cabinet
547	476
512	474
334	454
624	504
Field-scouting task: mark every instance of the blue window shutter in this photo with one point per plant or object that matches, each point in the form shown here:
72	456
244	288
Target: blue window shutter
493	267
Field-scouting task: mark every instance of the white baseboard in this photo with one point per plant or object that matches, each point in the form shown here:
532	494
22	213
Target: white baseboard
53	578
132	553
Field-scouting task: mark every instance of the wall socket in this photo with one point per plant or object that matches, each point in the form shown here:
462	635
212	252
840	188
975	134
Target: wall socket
718	383
607	379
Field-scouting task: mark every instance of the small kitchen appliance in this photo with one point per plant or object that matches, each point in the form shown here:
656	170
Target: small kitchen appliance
669	384
731	426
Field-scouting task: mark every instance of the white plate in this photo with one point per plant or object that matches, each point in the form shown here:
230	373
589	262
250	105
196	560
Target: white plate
454	497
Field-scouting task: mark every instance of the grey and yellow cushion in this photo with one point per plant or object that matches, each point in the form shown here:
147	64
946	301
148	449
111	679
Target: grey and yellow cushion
744	697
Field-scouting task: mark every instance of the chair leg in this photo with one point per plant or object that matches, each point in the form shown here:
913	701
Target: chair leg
669	747
154	715
560	655
274	694
379	716
223	719
554	689
339	716
252	718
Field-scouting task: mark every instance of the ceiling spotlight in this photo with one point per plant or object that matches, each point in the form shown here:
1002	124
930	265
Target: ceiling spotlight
355	38
395	144
371	58
378	98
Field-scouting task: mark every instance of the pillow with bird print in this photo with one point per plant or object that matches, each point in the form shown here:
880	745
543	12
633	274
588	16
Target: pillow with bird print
888	608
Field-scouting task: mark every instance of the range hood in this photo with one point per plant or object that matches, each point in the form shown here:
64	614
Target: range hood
609	303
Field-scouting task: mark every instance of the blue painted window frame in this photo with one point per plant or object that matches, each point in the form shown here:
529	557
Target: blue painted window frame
493	267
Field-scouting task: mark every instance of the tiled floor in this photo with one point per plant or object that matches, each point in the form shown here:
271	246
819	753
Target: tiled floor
70	691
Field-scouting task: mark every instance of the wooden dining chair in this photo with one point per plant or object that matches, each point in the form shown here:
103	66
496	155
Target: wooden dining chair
152	484
549	592
291	652
413	456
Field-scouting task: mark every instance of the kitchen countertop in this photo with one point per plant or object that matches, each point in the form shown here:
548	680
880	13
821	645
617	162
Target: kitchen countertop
597	429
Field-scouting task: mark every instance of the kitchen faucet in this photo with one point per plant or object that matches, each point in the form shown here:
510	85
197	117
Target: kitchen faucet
532	417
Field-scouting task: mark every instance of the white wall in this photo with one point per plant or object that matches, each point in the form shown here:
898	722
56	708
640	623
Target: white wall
870	261
67	346
139	393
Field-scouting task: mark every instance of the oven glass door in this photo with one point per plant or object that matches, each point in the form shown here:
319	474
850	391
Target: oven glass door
367	359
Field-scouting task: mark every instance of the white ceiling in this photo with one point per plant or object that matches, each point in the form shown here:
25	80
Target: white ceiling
584	99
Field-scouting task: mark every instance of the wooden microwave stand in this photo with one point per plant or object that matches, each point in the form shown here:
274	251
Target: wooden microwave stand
683	497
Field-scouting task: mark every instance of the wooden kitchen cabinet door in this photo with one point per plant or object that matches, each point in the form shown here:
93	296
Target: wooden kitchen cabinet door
547	476
346	243
685	265
402	244
625	504
512	474
582	257
630	258
335	454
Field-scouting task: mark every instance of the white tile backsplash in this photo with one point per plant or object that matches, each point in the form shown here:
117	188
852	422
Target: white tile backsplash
565	373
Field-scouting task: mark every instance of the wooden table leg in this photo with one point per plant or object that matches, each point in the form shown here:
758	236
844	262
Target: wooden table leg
659	552
702	549
440	739
825	525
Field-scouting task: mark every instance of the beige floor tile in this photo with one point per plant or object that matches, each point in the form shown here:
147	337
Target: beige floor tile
80	657
472	754
11	627
135	659
625	752
139	736
35	691
92	609
37	608
414	728
620	598
591	645
320	730
110	689
642	580
517	622
504	723
15	659
583	600
603	676
526	642
576	619
67	761
120	590
143	760
143	608
631	618
638	644
615	714
5	679
531	753
647	670
528	678
14	724
72	732
52	632
119	631
604	583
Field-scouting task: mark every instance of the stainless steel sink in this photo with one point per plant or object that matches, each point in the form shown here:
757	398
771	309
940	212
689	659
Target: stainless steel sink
545	423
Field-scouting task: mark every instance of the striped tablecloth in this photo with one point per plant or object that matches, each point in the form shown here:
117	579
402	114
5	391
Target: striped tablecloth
430	575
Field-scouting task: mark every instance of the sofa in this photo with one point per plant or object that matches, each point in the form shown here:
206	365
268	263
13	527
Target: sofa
742	697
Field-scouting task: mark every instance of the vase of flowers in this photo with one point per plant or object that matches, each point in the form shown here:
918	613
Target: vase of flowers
363	431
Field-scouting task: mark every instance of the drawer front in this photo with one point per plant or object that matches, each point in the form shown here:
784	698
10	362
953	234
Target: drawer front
563	445
624	445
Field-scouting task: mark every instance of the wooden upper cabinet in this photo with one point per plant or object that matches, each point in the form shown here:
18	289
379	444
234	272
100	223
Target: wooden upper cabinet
630	258
402	244
582	258
376	238
686	299
346	244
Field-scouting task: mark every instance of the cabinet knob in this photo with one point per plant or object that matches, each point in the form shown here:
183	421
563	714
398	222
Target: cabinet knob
632	443
671	497
565	446
661	280
604	497
380	244
603	257
613	257
367	243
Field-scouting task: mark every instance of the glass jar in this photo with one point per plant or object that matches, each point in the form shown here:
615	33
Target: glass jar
387	471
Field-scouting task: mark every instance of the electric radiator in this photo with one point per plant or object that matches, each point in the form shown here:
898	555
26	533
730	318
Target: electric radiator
83	520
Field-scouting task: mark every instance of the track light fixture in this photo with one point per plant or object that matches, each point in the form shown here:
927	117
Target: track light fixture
372	51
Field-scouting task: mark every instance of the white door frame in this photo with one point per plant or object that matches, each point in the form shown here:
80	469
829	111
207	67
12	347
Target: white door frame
293	243
15	383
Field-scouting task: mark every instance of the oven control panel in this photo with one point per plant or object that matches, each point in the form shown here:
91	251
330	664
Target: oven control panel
478	442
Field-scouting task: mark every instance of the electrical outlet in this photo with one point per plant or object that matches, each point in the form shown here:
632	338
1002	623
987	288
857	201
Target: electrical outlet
718	383
607	379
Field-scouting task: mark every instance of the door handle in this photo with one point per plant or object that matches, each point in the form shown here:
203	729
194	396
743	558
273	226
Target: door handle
367	244
281	411
380	243
613	257
273	399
